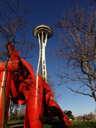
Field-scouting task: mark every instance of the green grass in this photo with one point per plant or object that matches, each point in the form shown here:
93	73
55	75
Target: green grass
52	124
75	124
58	124
85	124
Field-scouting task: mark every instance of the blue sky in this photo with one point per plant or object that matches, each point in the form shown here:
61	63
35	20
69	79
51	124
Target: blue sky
45	12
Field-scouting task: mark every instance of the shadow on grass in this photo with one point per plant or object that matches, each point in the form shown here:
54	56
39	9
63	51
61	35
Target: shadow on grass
75	124
53	124
46	124
15	124
82	124
17	127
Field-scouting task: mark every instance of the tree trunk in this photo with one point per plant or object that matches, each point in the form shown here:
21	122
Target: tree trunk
4	95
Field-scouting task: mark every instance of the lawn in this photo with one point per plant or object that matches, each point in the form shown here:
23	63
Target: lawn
58	124
85	124
76	124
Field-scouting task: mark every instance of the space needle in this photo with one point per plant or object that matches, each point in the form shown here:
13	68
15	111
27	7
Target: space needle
42	32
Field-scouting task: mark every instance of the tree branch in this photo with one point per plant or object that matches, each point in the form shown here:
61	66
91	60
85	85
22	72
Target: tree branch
80	92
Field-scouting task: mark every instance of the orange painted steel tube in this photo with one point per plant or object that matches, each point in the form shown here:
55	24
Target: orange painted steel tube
12	66
34	106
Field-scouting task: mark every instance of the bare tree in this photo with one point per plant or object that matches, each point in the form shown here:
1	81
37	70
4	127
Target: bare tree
93	1
95	110
91	116
77	49
52	86
12	29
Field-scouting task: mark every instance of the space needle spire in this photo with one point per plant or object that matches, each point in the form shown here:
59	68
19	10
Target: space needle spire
42	32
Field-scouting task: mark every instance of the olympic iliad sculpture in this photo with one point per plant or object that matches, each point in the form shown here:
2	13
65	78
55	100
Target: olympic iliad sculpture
24	88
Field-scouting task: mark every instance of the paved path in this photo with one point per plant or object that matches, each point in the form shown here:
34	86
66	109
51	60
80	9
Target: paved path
15	124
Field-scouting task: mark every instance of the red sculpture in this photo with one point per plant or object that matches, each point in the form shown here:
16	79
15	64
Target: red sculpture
23	87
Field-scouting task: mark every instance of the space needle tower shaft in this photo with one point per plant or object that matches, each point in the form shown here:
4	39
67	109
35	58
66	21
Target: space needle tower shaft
42	32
